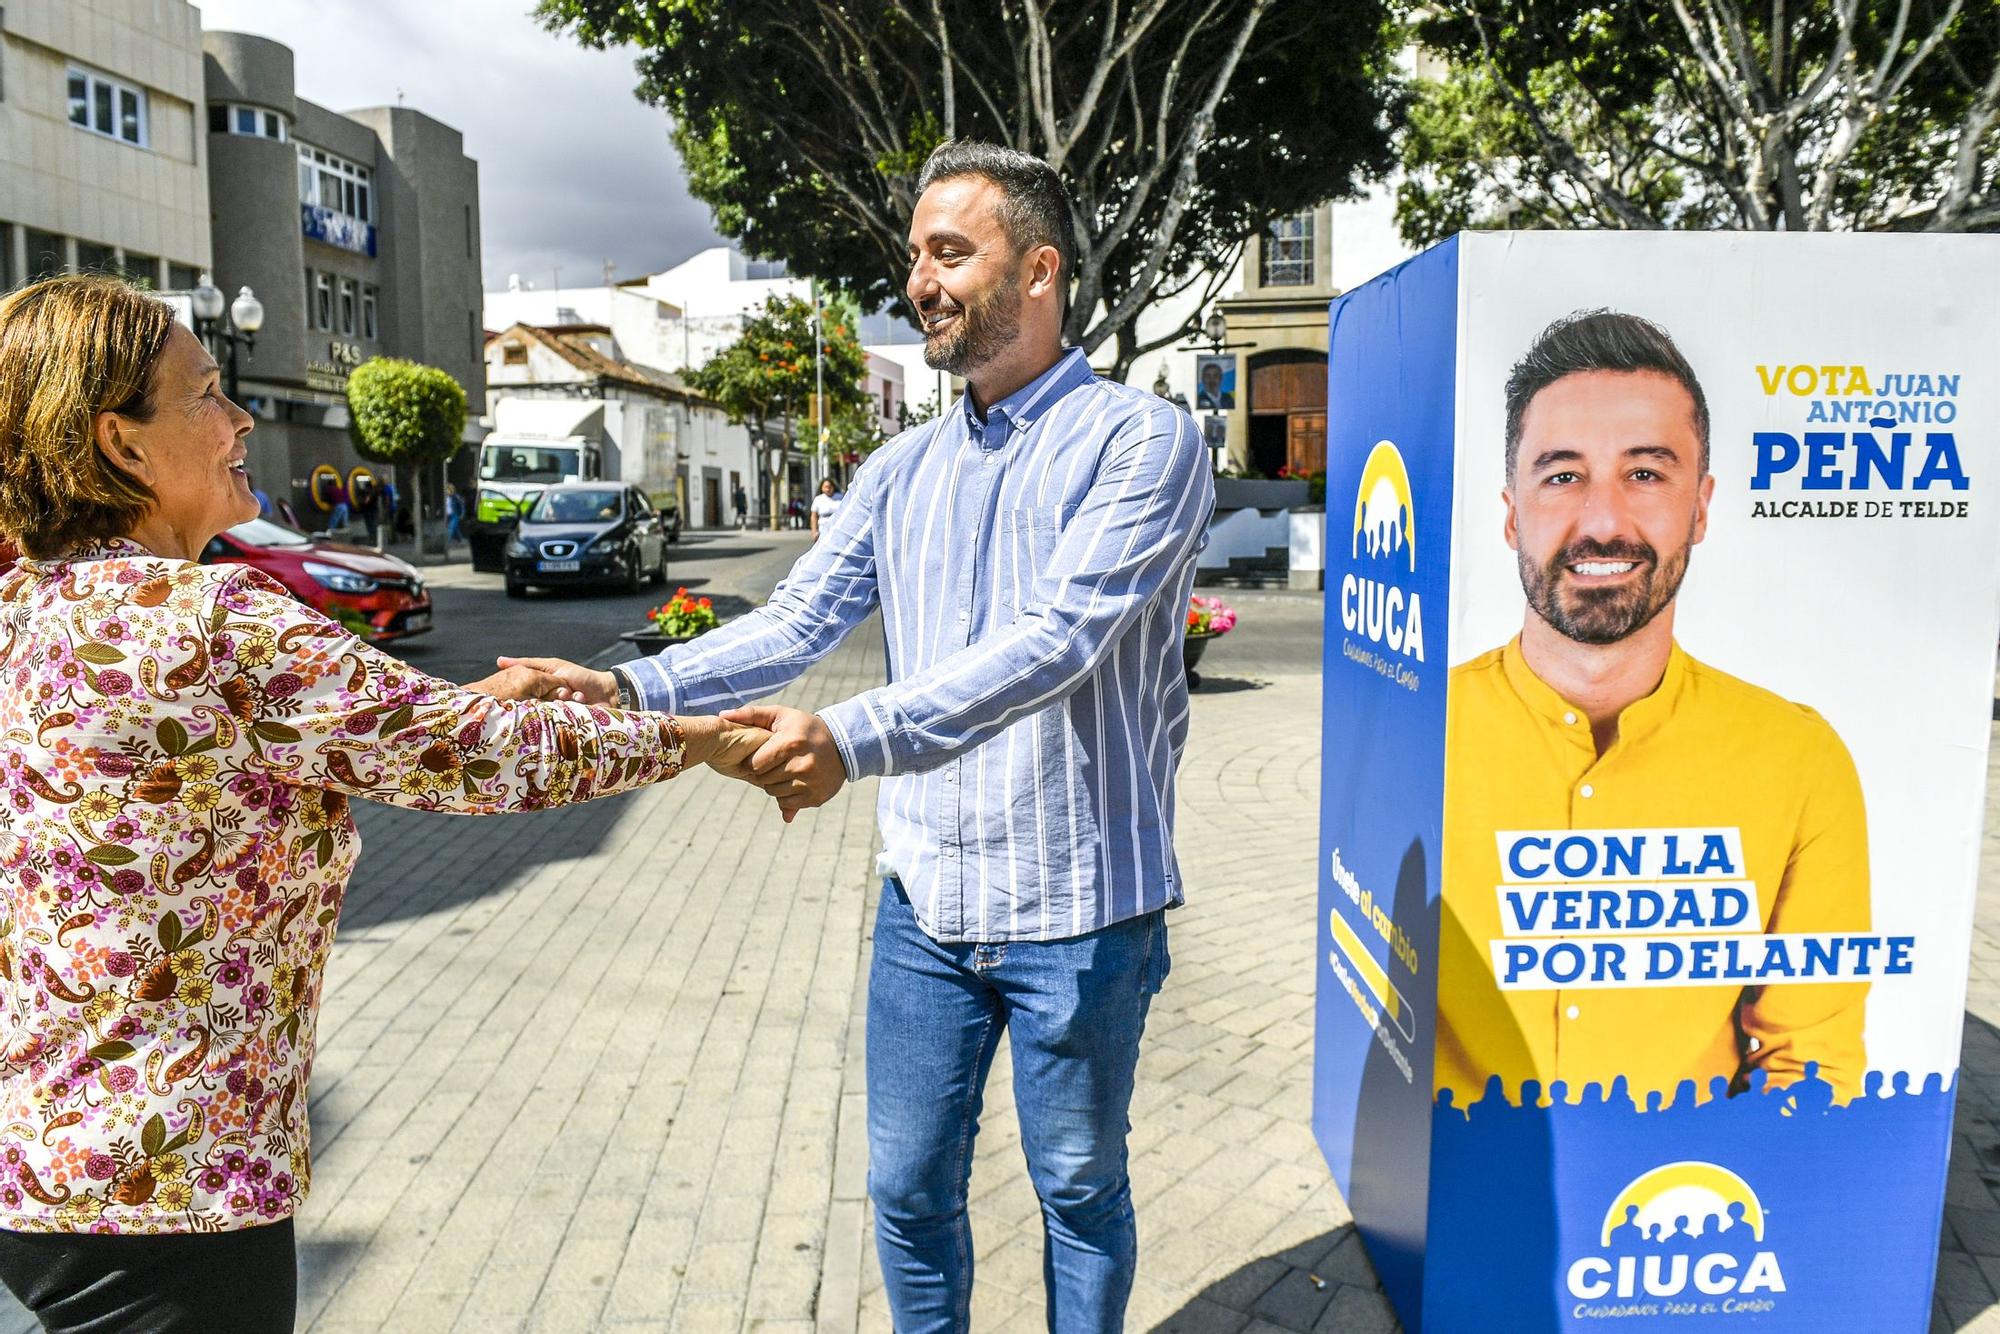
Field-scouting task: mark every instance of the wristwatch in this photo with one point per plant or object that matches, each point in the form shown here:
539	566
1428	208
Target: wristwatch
628	694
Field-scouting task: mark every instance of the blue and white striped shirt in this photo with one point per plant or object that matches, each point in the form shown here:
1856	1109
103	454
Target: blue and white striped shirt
1033	572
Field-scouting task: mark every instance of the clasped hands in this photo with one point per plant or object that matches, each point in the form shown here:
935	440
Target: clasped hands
788	753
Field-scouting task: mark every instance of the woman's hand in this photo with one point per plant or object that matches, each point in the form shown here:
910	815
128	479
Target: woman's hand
518	683
724	747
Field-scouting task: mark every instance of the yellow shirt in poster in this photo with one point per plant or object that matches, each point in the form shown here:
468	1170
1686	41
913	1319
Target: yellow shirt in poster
1704	750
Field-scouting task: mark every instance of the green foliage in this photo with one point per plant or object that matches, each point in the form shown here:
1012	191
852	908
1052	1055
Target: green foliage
404	413
768	373
1181	127
1704	114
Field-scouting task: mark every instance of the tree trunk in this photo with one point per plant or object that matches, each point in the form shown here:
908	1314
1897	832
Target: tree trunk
417	512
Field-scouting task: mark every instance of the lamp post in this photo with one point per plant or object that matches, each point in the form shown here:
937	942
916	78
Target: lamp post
246	317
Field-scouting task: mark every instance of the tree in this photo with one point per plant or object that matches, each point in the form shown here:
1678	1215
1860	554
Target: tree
1836	115
405	414
767	376
1181	126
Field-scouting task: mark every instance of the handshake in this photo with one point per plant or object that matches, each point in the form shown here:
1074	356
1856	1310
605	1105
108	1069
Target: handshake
789	753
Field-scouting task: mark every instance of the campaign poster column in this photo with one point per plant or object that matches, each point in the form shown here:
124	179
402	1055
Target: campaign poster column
1723	559
1392	369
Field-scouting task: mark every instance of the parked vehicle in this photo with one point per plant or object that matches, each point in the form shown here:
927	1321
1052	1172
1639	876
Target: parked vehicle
378	597
582	532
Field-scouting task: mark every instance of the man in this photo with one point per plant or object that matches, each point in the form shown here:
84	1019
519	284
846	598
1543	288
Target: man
1032	553
740	499
824	504
1594	719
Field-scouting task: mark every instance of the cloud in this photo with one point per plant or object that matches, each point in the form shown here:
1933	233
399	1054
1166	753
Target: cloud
573	170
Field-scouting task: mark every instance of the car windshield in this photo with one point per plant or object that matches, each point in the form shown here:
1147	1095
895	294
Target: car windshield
265	533
575	507
525	463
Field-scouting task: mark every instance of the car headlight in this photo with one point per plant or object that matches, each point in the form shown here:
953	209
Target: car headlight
604	541
340	580
516	547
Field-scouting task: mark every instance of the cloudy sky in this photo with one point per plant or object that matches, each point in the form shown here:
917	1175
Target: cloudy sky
573	170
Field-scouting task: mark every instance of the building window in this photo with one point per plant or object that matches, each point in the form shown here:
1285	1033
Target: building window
368	330
307	307
183	277
473	335
347	307
513	353
332	182
8	278
256	122
45	255
103	105
94	258
888	400
140	270
323	301
756	270
1288	252
468	231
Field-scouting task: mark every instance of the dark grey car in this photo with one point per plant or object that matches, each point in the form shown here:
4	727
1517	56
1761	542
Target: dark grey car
588	533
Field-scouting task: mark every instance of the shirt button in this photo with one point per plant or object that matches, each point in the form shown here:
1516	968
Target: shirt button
1572	1012
964	616
1570	718
1587	790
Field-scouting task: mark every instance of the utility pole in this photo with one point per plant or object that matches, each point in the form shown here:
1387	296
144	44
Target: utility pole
819	384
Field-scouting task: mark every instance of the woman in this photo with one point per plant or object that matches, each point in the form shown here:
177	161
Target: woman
181	744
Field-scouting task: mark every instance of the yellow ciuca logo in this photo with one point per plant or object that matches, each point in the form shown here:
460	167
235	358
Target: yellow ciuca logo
1684	1225
1385	519
1372	605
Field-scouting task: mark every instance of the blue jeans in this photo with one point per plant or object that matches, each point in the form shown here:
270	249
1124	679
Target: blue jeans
1074	1011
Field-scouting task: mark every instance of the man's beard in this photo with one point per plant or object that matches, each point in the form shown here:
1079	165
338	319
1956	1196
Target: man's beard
1604	615
984	330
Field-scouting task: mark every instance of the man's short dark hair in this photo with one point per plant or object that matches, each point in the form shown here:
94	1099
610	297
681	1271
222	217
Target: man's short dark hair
1598	340
1034	206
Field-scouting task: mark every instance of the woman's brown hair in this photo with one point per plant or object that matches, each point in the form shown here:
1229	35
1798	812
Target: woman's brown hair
71	348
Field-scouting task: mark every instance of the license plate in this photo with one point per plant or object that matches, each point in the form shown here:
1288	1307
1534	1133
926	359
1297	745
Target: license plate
420	621
559	566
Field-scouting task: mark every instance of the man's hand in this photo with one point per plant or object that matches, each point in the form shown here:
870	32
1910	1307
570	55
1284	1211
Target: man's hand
569	681
518	683
799	765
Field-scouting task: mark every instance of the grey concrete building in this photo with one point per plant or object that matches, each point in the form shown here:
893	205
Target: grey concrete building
103	163
359	232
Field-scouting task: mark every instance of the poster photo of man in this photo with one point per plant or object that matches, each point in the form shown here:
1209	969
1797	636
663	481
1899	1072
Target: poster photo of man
1215	383
1593	735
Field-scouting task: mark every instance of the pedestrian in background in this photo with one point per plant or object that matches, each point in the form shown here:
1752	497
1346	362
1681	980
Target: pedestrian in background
368	502
454	514
338	519
741	500
179	836
824	504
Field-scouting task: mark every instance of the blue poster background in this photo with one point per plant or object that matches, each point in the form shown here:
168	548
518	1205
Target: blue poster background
1850	1196
1392	371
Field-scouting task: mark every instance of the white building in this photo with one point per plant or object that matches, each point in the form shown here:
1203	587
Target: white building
573	382
678	319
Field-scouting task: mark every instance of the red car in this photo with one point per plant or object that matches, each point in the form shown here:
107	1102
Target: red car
376	596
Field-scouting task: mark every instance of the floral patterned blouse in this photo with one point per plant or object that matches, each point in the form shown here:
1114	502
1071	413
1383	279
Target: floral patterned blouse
180	745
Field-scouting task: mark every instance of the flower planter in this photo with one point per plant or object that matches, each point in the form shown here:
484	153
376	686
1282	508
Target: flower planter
651	641
1193	645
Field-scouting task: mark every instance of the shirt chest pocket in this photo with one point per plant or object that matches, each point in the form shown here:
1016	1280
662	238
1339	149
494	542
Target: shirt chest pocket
1028	541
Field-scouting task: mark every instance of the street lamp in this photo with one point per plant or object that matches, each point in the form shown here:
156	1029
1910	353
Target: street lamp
246	317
